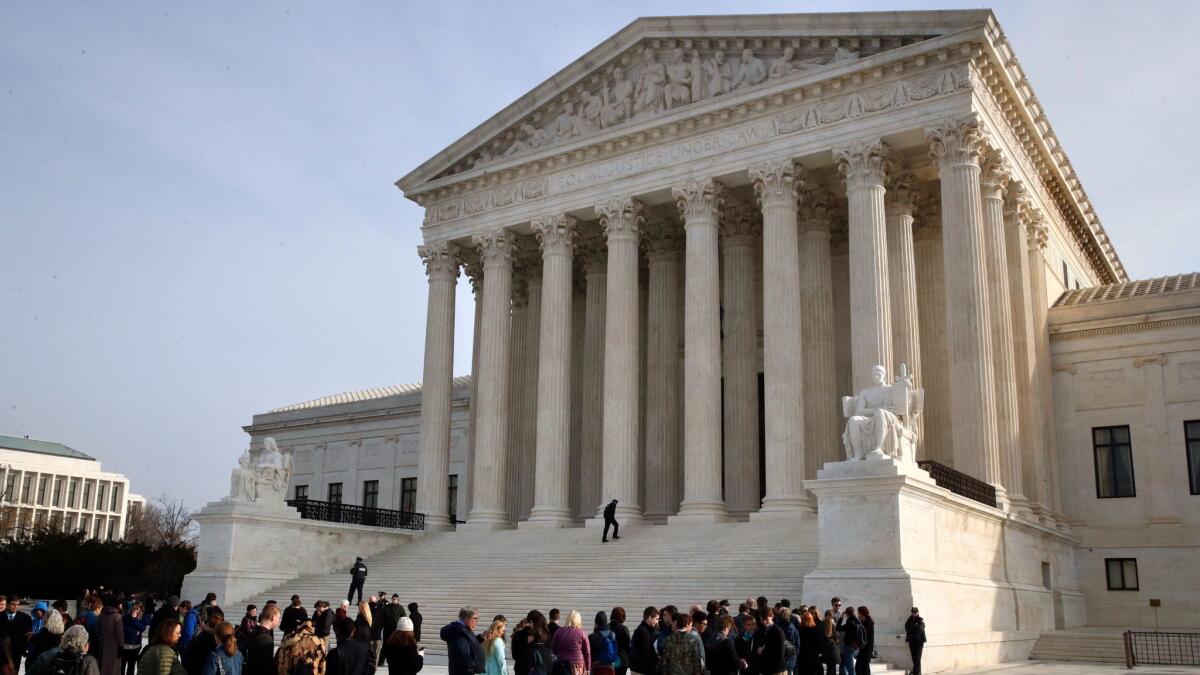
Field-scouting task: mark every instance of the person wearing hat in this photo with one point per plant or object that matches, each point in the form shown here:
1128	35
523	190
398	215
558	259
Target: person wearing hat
914	635
610	518
400	650
358	577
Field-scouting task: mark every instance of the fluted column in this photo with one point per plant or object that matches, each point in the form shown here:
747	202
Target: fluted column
489	487
699	203
994	176
739	230
551	507
437	385
591	466
863	163
474	268
902	274
1018	214
956	145
935	441
528	394
775	185
663	487
1043	385
622	220
517	359
822	413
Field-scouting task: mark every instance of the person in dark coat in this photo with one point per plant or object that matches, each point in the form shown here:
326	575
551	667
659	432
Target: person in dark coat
392	613
293	615
553	625
745	645
351	656
196	654
914	635
768	644
643	657
808	658
862	666
616	623
851	629
400	650
260	650
18	627
610	519
414	613
322	621
720	654
463	651
112	637
522	639
358	577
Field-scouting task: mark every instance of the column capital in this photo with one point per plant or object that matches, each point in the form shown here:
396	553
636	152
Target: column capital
621	218
663	241
556	234
441	259
956	141
495	247
594	255
699	201
520	290
1019	207
816	210
995	174
776	182
1037	236
863	163
902	193
472	265
739	225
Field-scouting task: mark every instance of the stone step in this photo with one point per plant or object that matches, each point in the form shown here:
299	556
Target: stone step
1079	646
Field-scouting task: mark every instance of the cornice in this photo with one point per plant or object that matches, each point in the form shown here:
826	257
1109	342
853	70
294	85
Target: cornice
1123	328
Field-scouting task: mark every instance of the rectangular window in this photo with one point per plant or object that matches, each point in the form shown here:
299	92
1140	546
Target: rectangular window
301	492
101	493
99	527
58	491
1066	278
10	487
115	505
453	497
43	481
408	494
112	528
1191	431
371	494
69	524
87	495
27	489
1114	462
1122	574
85	524
335	493
72	492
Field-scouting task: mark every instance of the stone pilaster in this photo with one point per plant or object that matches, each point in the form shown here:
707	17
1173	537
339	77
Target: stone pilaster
591	466
902	274
864	164
433	459
474	269
552	506
699	203
775	185
994	176
622	221
1043	385
822	412
489	501
663	461
740	232
935	441
515	469
956	146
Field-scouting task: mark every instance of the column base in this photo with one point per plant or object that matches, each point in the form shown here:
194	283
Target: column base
437	523
626	515
784	506
697	511
1019	506
486	521
547	519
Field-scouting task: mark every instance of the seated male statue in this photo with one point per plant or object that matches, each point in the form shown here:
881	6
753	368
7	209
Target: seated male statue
881	419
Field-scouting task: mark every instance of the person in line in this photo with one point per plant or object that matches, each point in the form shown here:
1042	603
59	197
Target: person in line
293	615
852	640
301	653
61	607
73	654
570	645
415	614
358	577
112	637
161	657
195	654
603	645
541	659
17	626
209	603
808	662
720	653
553	622
769	650
681	655
495	662
616	623
744	610
463	651
862	666
351	656
168	610
643	657
791	646
47	638
189	620
830	655
225	659
322	621
400	650
522	642
362	627
666	626
342	612
391	614
132	628
260	650
248	624
610	520
914	635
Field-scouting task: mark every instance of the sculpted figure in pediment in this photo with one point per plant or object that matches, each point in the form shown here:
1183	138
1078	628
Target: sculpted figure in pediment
563	125
697	76
752	71
679	81
843	55
591	111
528	138
618	103
650	87
719	73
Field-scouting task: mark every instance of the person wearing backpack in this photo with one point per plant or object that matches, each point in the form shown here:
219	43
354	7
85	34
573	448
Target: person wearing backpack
863	665
681	655
225	659
603	643
260	648
73	657
643	657
853	637
791	639
616	623
160	657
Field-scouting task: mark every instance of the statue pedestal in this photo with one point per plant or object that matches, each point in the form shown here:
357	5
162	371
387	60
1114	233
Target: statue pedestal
891	539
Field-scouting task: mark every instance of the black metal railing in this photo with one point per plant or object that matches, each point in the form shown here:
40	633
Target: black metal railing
350	514
1161	649
960	483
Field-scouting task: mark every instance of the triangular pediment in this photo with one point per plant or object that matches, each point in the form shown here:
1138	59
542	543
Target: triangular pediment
657	66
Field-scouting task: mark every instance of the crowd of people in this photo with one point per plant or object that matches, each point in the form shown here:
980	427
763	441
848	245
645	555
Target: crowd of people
106	637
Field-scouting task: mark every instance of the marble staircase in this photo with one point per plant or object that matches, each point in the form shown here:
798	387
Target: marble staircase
1095	645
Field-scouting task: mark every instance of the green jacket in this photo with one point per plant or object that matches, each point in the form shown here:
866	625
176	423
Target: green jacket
160	660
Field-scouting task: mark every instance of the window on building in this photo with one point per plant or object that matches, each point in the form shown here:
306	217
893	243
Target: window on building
112	528
39	519
1066	278
98	529
1114	462
101	493
10	487
301	492
453	497
43	481
408	494
115	504
27	489
370	494
85	524
87	495
1191	431
1122	574
72	492
334	493
58	491
69	523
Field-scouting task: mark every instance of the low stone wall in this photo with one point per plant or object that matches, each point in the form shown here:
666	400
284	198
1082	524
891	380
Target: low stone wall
245	549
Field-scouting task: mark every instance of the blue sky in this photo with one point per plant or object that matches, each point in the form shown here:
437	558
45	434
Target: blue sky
198	222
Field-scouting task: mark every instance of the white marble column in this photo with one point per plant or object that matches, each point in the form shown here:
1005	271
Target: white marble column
935	442
823	412
994	176
528	395
699	203
663	461
1043	386
578	329
902	274
622	220
474	269
863	163
956	145
517	358
740	232
490	499
437	385
551	507
591	466
775	185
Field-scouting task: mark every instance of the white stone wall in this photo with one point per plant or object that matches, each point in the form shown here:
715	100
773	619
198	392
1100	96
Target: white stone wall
77	494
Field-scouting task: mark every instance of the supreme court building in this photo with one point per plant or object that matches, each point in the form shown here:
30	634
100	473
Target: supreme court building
687	245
